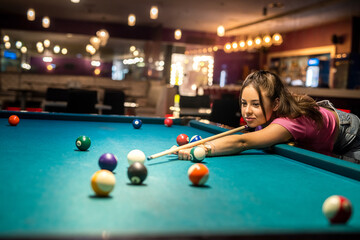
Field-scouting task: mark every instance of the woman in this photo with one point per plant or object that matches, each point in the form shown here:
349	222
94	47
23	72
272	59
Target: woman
280	116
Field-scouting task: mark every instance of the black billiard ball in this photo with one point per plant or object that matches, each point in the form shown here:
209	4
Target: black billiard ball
137	173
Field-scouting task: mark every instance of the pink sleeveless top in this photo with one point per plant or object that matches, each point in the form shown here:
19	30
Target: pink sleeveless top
308	136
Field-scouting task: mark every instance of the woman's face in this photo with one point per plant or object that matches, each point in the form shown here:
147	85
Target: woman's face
251	109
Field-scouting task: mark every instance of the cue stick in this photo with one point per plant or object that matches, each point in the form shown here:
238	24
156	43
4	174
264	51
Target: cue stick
172	150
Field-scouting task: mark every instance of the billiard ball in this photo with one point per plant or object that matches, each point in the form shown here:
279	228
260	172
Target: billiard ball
136	156
108	161
197	154
195	138
103	182
83	143
337	209
198	174
137	173
168	122
182	139
14	120
137	123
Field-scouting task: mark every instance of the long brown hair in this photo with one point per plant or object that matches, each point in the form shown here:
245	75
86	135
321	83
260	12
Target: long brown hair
290	105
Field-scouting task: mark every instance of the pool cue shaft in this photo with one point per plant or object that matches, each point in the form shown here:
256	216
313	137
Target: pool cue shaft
193	144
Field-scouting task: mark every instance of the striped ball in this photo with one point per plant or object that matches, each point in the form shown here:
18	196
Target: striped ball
198	174
195	138
197	154
103	182
337	209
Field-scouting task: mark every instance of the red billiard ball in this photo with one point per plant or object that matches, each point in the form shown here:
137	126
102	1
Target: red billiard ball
14	120
337	209
168	122
182	139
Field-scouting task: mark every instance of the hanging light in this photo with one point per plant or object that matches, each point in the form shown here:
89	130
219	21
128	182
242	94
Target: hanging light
7	45
103	36
56	49
227	48
46	43
46	22
235	46
221	31
18	44
267	41
30	14
64	51
6	38
154	11
95	41
23	49
40	49
258	42
249	43
277	39
242	45
177	34
131	20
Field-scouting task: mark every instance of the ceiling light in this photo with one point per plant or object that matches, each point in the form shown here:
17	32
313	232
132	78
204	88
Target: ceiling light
227	48
234	46
7	45
103	36
242	45
23	49
277	39
75	1
177	34
220	31
258	41
131	20
132	48
40	49
46	43
6	38
39	45
267	41
47	59
56	49
154	12
31	14
95	41
46	22
18	44
249	42
64	51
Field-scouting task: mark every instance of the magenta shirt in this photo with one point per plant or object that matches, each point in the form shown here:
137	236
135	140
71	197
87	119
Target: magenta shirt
306	134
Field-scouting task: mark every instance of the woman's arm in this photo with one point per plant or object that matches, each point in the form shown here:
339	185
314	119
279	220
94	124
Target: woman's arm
232	144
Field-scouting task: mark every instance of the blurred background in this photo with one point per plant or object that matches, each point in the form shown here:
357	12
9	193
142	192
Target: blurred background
173	58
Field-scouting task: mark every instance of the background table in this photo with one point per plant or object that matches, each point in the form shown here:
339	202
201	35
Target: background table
45	185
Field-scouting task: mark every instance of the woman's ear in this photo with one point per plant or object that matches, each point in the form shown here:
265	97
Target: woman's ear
276	104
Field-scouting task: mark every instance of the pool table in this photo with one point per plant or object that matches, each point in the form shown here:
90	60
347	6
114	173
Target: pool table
258	194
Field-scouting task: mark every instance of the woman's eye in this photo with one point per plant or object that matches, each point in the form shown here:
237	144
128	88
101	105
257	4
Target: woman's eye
256	104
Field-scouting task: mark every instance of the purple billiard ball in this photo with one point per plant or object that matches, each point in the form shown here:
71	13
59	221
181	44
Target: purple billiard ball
108	161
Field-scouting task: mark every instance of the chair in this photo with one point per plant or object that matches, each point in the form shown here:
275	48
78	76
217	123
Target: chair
226	111
55	100
81	101
116	99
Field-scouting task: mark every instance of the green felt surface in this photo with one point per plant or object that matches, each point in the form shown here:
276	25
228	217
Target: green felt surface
45	186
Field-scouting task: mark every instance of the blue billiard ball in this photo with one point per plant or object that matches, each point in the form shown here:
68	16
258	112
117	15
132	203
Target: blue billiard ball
195	138
137	123
108	161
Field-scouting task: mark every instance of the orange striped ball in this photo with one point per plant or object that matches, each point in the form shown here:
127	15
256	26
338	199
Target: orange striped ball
103	182
198	174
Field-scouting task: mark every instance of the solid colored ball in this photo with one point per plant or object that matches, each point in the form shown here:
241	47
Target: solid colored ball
168	122
182	139
197	154
195	138
83	143
337	209
14	120
108	161
136	156
137	173
103	182
137	123
198	174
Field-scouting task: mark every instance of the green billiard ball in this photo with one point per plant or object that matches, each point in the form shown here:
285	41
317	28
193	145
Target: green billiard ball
83	143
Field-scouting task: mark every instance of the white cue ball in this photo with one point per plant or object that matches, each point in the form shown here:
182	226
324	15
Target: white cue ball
136	156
